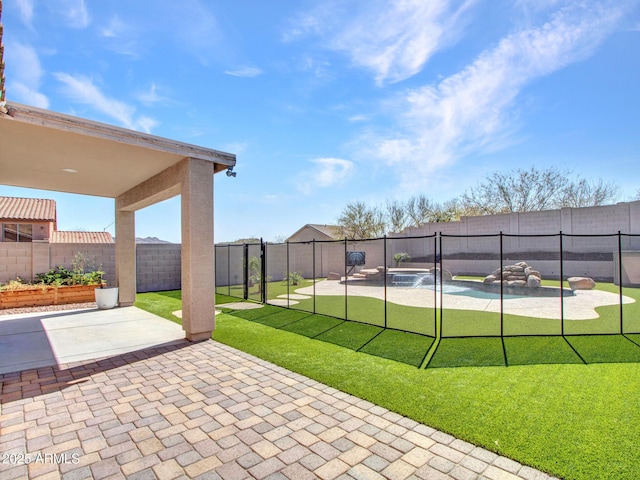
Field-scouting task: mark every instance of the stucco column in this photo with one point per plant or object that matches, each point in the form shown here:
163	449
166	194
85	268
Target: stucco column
198	274
125	256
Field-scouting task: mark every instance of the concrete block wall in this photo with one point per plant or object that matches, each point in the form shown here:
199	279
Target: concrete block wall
28	259
99	255
158	267
15	261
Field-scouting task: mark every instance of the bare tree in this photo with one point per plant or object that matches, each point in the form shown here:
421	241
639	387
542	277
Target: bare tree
588	194
359	221
535	190
419	210
279	238
397	217
449	211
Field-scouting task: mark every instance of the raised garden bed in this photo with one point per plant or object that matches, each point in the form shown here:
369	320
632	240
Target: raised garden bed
33	296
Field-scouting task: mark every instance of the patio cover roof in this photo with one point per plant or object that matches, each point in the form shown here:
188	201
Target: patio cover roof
36	146
51	151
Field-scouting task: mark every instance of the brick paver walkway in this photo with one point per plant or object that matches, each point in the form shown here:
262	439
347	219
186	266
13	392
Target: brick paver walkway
206	410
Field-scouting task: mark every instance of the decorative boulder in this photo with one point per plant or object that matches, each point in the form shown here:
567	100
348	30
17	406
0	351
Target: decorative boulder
517	275
581	283
334	276
489	279
533	281
447	276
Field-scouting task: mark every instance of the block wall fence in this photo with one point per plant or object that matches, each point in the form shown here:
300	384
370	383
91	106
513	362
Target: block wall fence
159	265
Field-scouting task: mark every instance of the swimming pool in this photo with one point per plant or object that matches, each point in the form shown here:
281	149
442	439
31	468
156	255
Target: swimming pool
470	288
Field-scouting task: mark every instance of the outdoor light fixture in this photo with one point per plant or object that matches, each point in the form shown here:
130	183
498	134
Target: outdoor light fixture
70	170
230	172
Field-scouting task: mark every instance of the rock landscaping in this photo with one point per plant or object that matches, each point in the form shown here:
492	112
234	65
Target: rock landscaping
517	275
581	283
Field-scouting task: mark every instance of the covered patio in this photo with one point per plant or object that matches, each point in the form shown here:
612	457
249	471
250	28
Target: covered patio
46	150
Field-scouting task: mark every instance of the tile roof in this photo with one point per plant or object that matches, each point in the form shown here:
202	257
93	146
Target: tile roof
80	237
15	208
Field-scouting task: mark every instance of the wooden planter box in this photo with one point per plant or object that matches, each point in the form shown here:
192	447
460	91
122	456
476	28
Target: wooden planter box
43	296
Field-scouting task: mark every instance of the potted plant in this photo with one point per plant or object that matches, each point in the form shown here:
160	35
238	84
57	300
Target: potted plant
106	297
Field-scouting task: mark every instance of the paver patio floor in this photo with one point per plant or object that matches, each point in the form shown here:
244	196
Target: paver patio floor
206	410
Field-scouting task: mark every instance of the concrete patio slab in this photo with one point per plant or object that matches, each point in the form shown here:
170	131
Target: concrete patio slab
206	410
32	340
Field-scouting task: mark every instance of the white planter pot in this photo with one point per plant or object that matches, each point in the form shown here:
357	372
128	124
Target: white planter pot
106	297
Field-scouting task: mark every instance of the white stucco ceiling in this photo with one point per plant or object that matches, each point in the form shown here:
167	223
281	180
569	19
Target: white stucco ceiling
36	146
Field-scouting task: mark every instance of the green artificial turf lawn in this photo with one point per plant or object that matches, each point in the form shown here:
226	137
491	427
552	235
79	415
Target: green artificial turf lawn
351	335
548	409
458	323
574	421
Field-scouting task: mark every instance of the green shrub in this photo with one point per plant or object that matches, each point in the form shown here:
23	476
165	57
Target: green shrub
77	276
293	278
401	257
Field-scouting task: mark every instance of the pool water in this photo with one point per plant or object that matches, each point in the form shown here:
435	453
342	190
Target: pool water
469	291
470	288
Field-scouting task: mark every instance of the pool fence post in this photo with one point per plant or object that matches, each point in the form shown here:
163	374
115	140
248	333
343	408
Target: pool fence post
313	270
435	291
501	290
620	279
439	277
245	273
384	253
561	286
346	281
288	275
229	269
263	271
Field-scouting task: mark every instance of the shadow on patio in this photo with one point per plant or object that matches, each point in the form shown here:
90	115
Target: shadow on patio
40	339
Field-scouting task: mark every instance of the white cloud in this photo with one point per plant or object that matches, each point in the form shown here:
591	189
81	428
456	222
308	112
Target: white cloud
25	7
28	95
114	28
24	75
75	13
474	109
244	71
82	90
394	40
196	30
152	96
327	172
121	37
358	118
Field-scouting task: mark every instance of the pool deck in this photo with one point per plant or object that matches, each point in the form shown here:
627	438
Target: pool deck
580	306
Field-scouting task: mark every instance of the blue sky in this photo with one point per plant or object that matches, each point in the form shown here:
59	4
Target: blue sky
327	102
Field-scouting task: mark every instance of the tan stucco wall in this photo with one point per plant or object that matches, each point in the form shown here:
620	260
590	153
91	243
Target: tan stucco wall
41	230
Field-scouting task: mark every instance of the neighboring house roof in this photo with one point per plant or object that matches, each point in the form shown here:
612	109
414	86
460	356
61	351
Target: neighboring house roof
81	237
16	208
329	232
